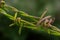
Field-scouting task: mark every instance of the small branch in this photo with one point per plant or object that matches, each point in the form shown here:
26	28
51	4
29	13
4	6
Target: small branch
12	18
43	14
42	17
21	12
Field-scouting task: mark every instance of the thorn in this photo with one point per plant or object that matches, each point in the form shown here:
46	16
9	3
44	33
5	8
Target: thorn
40	21
42	16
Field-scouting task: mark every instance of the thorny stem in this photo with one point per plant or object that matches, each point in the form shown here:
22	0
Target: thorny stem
34	18
21	12
41	18
12	18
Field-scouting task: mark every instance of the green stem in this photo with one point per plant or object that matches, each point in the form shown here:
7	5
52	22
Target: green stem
4	13
43	14
20	28
12	18
21	12
55	28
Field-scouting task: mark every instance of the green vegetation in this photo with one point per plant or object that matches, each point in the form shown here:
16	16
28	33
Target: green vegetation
16	24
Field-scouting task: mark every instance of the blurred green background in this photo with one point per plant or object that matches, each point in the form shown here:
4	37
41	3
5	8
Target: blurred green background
34	8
